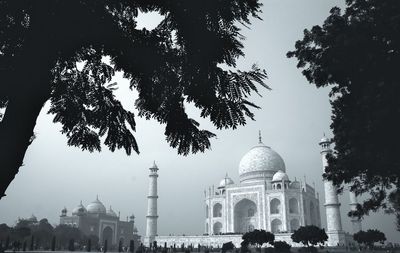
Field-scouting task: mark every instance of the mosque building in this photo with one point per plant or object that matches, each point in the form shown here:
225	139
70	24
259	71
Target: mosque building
265	198
95	220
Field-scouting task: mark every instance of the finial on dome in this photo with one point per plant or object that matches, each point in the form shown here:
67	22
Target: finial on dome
259	137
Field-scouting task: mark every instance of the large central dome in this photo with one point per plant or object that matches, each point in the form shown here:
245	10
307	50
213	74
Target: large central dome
260	164
96	207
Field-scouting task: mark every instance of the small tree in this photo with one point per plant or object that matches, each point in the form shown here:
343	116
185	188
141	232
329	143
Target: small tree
89	245
244	246
258	238
132	246
7	245
282	246
310	236
228	246
53	243
71	245
120	246
105	246
32	243
369	237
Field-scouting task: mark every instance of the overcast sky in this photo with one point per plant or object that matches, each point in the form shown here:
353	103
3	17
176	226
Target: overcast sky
293	117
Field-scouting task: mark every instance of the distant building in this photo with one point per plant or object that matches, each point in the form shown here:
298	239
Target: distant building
105	224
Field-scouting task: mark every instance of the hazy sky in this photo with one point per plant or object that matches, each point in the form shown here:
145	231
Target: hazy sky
293	117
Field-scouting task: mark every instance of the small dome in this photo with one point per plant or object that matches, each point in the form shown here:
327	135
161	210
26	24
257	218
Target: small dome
79	210
279	176
135	230
111	212
260	163
226	181
96	207
33	218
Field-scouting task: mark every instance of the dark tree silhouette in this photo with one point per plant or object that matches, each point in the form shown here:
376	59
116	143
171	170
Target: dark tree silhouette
357	53
258	238
120	246
89	245
65	233
53	243
309	236
105	246
369	237
282	247
4	232
176	63
132	246
228	246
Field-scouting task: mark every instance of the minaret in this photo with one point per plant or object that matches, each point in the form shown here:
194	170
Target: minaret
151	225
355	221
332	205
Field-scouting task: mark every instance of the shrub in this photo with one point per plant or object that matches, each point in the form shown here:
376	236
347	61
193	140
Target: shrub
282	246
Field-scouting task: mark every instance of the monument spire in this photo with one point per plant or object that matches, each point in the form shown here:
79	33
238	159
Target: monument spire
355	221
151	218
332	204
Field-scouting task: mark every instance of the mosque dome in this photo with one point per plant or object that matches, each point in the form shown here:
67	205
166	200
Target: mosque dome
111	212
79	210
260	163
279	176
33	219
225	181
96	207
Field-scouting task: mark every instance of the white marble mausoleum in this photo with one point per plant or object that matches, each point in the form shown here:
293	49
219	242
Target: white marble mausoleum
264	198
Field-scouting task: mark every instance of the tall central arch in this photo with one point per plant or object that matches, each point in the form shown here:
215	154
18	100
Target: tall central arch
245	216
108	235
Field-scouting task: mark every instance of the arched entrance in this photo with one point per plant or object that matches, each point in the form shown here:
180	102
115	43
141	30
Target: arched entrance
275	206
276	226
293	206
108	235
294	224
217	228
217	210
313	214
245	216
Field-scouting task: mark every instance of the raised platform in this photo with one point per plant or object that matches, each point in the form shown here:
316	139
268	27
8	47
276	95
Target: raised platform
335	239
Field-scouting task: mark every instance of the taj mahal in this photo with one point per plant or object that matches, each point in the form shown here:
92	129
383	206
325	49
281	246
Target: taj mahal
264	198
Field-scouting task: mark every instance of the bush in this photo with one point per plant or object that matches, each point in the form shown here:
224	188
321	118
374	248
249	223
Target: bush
227	247
282	246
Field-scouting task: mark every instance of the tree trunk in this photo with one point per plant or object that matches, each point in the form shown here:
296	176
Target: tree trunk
16	132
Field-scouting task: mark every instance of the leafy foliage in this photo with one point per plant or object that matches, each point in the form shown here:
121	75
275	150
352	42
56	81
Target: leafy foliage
228	246
309	235
258	237
282	246
357	53
369	237
176	63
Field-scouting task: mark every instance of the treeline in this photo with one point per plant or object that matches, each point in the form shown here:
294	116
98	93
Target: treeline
30	234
